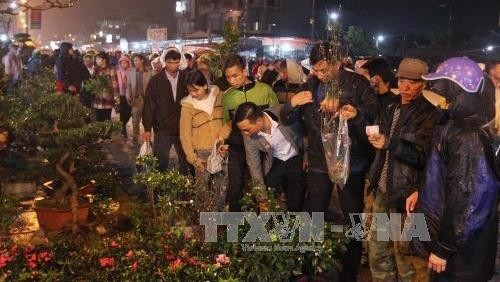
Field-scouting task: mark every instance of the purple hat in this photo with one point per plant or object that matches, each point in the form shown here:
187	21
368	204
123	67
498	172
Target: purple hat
461	70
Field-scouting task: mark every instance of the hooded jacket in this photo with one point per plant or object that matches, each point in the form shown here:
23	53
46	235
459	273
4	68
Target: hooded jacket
199	129
459	199
296	78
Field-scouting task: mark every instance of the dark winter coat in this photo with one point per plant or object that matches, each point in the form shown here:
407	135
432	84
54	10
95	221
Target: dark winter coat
408	149
161	112
459	199
65	67
357	92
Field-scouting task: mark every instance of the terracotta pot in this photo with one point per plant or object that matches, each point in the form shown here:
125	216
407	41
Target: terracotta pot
52	218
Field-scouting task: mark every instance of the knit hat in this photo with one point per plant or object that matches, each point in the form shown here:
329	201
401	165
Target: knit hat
412	68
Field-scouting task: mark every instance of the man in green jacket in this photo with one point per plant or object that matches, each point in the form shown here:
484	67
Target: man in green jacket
242	90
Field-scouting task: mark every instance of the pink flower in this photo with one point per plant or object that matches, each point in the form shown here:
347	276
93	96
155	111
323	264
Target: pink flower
113	244
176	265
130	254
134	266
223	259
107	262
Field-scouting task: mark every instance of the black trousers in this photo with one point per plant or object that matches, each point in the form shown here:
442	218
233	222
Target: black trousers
102	114
238	172
125	113
351	200
288	174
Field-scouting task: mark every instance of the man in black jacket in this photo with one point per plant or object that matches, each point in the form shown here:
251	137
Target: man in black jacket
396	173
359	105
162	110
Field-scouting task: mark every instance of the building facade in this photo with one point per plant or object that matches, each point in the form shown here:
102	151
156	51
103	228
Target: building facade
255	17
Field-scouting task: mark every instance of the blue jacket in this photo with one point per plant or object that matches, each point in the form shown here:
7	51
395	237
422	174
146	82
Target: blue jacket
459	199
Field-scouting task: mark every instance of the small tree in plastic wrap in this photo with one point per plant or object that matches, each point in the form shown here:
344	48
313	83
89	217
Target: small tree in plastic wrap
334	128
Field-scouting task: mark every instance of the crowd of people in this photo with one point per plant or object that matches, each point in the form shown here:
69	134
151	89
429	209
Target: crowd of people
430	154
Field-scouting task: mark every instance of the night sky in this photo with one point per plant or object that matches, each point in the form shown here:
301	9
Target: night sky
387	16
416	15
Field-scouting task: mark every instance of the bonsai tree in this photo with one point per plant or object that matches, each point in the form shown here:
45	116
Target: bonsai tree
68	148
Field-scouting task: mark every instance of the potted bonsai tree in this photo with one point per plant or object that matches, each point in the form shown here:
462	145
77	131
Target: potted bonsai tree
68	149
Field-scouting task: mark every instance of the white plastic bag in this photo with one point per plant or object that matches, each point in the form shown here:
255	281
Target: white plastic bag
146	149
214	161
337	147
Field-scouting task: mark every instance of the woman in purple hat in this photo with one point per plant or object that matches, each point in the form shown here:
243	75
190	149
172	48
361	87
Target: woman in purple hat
459	198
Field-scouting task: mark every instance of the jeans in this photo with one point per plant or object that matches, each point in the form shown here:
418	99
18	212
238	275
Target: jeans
161	147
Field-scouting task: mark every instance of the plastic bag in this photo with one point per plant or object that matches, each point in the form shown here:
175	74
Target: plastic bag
145	150
337	148
214	161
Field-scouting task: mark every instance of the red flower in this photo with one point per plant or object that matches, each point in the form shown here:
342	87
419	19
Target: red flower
32	264
176	265
31	258
44	257
130	254
192	261
170	257
107	262
134	266
113	244
4	259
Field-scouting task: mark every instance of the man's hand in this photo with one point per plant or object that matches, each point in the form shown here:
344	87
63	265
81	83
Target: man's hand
146	136
377	140
348	111
411	202
436	263
301	98
72	88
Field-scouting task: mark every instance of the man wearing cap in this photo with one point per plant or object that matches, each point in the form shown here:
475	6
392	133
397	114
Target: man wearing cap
396	174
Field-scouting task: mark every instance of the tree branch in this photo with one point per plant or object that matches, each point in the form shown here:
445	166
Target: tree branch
39	6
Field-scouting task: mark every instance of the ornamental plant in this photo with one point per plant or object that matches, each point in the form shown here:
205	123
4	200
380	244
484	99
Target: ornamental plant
53	141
